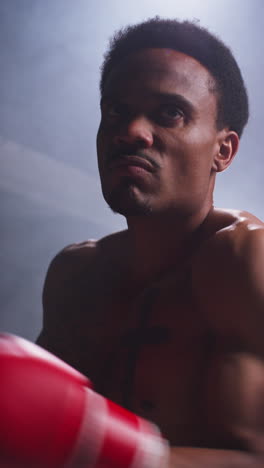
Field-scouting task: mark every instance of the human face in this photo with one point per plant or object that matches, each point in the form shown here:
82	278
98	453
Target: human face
157	138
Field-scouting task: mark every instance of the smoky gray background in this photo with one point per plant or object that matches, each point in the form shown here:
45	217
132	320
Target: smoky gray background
51	52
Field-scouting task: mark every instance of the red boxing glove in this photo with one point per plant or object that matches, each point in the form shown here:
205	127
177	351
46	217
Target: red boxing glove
50	417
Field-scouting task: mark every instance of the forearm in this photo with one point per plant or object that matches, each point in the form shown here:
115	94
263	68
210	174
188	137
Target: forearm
186	457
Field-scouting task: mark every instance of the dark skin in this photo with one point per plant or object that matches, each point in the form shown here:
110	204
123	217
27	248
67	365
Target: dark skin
166	318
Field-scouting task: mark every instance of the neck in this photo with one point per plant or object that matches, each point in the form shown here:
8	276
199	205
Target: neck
157	244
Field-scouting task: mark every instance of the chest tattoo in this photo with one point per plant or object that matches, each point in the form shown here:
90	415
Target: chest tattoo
139	337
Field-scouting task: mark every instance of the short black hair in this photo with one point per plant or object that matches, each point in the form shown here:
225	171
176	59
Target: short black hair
191	39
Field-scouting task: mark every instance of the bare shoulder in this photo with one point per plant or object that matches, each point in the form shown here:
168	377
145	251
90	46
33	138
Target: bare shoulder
61	273
87	255
75	269
72	259
236	233
239	221
228	276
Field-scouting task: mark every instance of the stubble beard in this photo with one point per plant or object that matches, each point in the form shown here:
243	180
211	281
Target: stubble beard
127	200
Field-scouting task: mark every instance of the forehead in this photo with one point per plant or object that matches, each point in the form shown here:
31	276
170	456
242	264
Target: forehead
159	70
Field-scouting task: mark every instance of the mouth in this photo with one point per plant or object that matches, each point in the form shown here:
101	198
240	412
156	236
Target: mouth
127	161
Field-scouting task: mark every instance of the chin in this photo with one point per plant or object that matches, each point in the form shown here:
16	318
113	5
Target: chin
127	200
127	211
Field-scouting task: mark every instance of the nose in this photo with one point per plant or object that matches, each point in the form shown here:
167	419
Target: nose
137	131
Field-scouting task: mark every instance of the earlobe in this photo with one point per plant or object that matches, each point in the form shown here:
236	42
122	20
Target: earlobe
227	149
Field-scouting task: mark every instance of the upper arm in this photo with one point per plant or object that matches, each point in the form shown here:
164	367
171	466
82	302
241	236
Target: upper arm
234	402
59	297
229	287
53	298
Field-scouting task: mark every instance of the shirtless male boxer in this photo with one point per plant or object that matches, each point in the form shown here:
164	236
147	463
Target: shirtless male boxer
167	317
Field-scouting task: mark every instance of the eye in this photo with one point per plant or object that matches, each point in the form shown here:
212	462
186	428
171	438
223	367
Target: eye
113	111
170	112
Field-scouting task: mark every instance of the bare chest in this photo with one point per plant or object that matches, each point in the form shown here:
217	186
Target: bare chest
147	352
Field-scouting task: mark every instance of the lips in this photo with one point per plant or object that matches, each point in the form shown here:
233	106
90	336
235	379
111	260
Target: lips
131	160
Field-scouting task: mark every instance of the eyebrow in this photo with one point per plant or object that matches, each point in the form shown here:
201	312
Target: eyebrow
161	96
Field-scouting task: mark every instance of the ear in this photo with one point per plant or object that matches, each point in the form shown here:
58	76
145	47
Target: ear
228	143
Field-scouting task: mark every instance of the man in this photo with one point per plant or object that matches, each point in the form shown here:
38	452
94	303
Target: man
167	318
